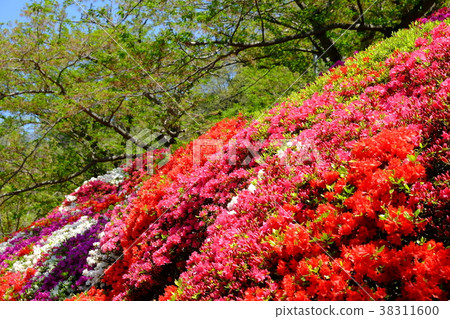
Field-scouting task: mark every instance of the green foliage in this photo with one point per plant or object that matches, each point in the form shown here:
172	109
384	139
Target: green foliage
246	90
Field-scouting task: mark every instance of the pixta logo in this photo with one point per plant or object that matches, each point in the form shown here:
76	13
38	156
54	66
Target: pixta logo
148	149
244	152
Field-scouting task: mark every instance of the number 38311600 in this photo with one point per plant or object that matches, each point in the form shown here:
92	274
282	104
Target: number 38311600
410	310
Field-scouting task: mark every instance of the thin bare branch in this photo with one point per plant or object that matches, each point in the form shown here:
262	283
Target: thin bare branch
67	178
297	36
46	76
21	166
116	128
119	105
3	95
261	20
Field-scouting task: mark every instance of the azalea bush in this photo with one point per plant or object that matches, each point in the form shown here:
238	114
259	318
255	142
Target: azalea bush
340	192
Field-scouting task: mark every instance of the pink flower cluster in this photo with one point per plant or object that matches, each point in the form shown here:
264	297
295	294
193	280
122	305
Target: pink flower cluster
381	184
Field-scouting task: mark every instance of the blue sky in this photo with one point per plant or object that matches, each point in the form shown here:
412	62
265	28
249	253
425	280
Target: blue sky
10	9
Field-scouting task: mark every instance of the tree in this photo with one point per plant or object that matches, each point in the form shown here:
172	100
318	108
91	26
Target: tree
284	32
70	101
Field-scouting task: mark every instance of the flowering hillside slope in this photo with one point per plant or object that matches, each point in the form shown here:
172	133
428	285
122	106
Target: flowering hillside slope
341	192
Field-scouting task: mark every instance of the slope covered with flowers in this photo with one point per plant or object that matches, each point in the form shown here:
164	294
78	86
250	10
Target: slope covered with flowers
341	192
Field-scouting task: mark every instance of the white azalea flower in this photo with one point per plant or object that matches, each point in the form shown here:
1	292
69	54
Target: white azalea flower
115	177
261	174
45	245
99	261
281	153
6	244
71	198
233	202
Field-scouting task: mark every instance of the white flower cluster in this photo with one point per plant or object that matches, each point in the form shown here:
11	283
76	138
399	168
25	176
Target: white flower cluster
293	144
69	207
303	152
3	246
261	174
100	262
251	188
71	198
232	202
45	245
115	177
6	244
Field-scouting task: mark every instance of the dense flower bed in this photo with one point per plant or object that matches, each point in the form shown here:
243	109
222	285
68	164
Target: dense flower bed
60	256
341	192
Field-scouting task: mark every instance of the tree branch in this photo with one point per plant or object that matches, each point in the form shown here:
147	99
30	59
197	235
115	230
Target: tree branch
56	82
418	11
361	12
116	109
3	95
126	135
151	97
21	166
276	21
262	21
238	24
65	179
297	36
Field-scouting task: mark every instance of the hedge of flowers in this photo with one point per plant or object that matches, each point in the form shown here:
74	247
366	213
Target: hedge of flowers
341	192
